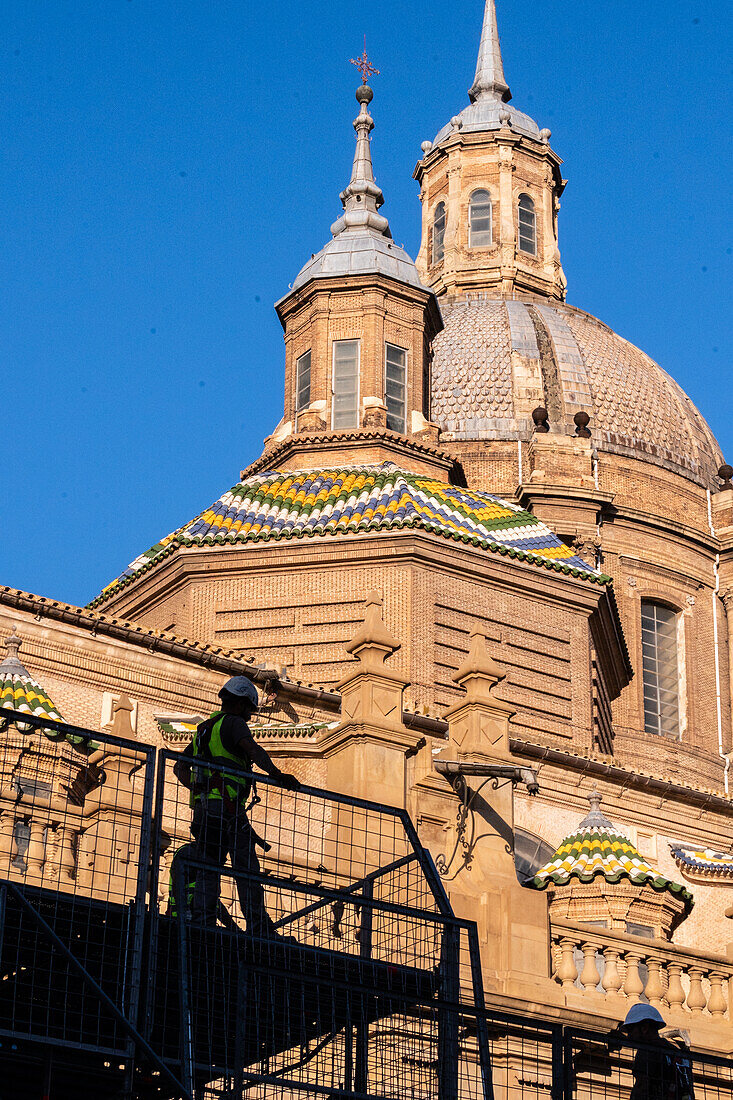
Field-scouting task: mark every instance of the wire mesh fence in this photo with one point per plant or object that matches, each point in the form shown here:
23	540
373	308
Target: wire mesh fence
269	943
611	1065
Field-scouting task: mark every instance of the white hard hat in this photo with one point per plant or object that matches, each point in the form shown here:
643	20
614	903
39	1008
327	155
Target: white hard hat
242	688
638	1014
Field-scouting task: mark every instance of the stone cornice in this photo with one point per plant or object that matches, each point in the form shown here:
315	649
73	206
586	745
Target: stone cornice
269	458
606	768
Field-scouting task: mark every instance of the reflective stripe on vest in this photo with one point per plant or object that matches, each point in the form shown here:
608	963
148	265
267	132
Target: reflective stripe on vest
213	785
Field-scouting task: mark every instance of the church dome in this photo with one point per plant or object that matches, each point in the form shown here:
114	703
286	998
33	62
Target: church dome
496	361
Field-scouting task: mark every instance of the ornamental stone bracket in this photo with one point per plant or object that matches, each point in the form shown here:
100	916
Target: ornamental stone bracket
478	861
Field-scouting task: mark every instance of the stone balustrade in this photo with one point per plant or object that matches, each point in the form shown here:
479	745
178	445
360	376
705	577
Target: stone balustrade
39	842
681	982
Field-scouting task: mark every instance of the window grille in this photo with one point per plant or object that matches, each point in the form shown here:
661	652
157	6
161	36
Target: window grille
395	388
303	382
479	220
660	669
345	384
439	233
527	225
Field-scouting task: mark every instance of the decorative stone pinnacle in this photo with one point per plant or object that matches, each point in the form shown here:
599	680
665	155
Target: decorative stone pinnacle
372	642
12	644
479	664
489	79
122	711
362	198
596	818
12	663
725	473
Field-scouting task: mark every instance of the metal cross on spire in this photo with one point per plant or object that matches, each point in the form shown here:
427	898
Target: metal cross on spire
364	65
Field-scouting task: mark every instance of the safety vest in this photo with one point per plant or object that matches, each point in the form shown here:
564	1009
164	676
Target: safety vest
207	783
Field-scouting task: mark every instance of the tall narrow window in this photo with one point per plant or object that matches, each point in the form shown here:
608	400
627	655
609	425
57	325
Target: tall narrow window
479	220
527	225
303	382
345	384
660	669
395	388
439	233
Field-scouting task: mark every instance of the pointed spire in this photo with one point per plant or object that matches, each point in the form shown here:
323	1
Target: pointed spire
362	198
489	79
373	643
596	818
12	663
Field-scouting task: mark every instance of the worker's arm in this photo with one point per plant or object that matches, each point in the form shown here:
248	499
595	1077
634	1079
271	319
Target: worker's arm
242	741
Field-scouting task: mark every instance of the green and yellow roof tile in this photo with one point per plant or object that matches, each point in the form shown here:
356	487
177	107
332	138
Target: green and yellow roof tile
307	504
597	849
21	692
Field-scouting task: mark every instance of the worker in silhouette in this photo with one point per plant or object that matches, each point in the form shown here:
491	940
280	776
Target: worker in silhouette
662	1070
182	884
219	799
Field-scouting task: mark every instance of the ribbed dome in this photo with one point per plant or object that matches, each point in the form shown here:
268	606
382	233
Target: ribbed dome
496	361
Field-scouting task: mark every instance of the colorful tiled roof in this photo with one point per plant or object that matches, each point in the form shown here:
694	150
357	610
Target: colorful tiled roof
703	861
598	849
277	505
19	690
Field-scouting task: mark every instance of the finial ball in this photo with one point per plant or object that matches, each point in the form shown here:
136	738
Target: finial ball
426	146
545	135
364	94
725	473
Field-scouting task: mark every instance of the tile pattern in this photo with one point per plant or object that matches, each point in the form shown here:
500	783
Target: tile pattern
472	378
703	861
635	407
602	850
19	691
277	505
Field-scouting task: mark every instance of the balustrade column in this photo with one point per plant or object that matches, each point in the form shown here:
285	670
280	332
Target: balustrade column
8	845
611	980
696	999
36	855
567	971
590	977
65	835
717	1005
654	988
675	992
633	985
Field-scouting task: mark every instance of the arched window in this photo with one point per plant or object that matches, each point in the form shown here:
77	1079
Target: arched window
660	669
527	225
479	220
439	233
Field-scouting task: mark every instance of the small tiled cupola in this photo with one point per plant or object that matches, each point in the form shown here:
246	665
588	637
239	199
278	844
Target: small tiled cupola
19	691
358	322
597	876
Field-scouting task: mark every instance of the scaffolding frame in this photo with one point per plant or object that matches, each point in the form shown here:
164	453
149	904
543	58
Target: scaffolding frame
363	986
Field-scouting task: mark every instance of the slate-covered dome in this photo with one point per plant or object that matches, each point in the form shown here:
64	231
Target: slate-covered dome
496	361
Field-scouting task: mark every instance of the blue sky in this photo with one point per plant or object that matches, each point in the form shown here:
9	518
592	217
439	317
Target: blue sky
167	168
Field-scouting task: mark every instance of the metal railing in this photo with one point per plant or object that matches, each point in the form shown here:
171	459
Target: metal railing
144	952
